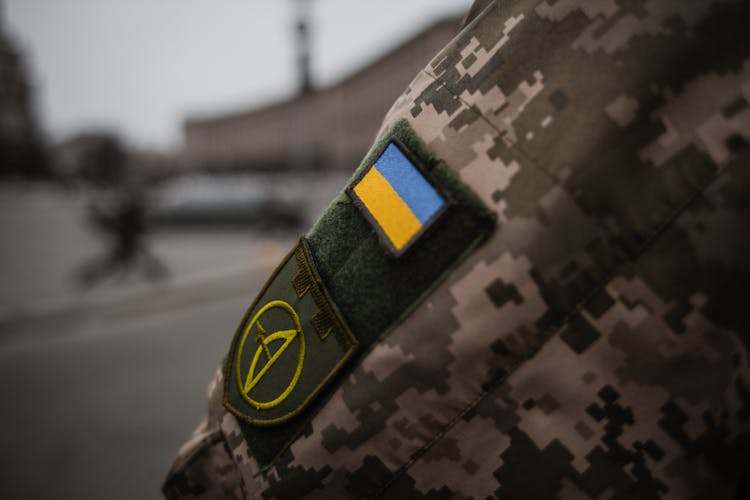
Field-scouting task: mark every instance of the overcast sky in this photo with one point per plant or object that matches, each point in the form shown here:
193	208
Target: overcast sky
139	67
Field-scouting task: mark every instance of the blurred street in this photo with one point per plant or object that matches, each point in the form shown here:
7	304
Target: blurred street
157	161
101	386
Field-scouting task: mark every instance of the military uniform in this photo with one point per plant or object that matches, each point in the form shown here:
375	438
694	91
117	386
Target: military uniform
582	332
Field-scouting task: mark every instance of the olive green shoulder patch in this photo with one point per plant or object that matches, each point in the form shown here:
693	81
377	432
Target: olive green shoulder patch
291	341
364	267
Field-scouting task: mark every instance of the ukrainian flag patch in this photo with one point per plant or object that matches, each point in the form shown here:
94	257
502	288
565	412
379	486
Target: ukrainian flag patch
397	198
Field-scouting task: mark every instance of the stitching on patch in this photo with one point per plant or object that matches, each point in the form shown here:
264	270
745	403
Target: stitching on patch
342	333
302	280
252	379
324	320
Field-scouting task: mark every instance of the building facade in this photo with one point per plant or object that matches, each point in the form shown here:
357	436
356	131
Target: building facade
21	152
327	129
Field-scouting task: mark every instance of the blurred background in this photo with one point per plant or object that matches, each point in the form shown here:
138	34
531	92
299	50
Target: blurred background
157	160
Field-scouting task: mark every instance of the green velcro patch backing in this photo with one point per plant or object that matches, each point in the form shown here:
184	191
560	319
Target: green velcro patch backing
370	289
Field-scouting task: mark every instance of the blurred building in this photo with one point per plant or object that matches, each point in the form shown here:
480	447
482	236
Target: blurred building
21	152
99	157
328	128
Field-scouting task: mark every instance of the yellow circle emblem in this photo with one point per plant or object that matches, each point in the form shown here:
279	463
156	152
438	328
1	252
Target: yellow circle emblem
267	343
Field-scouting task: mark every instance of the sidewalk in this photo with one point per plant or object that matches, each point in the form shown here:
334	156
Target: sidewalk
46	241
240	260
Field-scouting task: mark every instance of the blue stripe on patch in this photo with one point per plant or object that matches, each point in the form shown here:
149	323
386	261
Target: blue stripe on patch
408	182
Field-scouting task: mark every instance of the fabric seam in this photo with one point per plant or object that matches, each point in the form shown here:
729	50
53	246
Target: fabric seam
622	261
211	439
499	133
494	383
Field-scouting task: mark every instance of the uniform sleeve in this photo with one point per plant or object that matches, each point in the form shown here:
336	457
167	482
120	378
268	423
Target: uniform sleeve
595	345
203	469
206	465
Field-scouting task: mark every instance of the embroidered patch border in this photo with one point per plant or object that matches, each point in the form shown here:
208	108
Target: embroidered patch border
367	210
295	292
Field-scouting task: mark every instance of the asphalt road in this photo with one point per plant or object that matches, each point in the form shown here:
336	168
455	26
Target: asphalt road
100	387
100	416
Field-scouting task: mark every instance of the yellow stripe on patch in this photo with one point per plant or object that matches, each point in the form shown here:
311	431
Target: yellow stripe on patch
393	215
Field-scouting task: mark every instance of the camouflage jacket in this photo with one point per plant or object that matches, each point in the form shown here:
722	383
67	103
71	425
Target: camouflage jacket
595	345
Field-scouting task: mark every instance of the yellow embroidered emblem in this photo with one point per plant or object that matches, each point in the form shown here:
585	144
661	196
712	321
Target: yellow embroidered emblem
287	337
290	343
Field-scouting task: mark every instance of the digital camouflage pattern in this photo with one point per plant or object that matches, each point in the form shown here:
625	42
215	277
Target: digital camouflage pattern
596	346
